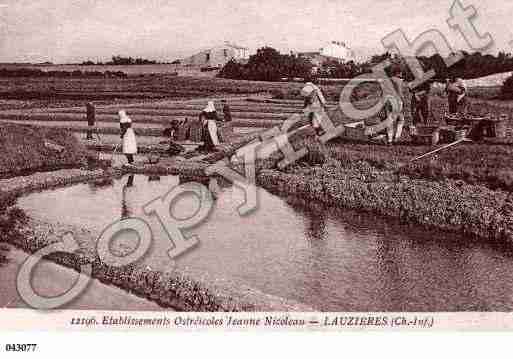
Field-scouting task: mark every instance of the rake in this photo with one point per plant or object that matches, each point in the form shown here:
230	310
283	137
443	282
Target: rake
441	149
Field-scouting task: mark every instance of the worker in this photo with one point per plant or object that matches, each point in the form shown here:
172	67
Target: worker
91	114
420	104
206	137
209	118
398	111
128	136
227	112
174	148
456	95
391	116
314	106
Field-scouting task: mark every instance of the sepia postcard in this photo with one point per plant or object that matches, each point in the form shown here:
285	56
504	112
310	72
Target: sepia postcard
267	165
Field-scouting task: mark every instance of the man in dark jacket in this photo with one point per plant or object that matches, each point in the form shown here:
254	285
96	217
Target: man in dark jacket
420	105
91	114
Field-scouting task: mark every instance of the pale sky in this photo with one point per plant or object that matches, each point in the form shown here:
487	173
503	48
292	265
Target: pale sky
64	31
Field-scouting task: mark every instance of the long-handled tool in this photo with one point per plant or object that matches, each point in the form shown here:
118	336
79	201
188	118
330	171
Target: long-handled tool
113	154
441	149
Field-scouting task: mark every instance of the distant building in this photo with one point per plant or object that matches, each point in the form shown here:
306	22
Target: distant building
217	56
338	50
335	50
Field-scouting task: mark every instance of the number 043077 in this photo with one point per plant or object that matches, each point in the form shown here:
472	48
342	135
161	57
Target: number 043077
20	347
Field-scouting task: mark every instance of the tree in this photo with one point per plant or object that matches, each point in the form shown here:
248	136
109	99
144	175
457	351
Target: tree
268	65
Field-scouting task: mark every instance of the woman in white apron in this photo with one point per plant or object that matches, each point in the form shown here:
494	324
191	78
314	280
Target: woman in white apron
209	117
128	136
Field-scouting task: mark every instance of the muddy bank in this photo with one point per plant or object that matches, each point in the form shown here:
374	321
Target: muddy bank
98	296
17	186
175	289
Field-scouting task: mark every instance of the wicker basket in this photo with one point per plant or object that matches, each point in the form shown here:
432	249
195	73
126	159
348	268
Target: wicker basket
355	131
500	128
428	135
460	134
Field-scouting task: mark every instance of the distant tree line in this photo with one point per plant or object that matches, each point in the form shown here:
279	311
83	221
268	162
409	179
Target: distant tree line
121	60
471	66
27	72
269	65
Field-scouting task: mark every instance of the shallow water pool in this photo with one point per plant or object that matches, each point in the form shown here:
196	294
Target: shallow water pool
331	260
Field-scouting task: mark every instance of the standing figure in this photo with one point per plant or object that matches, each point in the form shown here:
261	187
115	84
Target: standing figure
314	106
91	119
396	110
420	105
456	94
128	136
227	112
391	116
209	118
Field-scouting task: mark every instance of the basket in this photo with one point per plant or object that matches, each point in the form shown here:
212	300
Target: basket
500	128
427	135
153	158
453	120
460	134
355	131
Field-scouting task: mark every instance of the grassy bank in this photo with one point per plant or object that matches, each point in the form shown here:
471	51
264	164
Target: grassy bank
12	221
176	289
467	190
28	149
449	205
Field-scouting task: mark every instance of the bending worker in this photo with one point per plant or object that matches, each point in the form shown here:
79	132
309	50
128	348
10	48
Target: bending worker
315	106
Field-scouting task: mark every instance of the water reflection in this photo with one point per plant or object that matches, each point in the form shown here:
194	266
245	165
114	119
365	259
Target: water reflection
126	210
315	215
333	260
3	255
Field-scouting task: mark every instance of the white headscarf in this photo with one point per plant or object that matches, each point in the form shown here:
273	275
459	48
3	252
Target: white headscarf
123	117
210	107
309	88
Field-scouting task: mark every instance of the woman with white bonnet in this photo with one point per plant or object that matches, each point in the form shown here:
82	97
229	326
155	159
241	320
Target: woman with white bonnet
315	105
209	117
128	136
